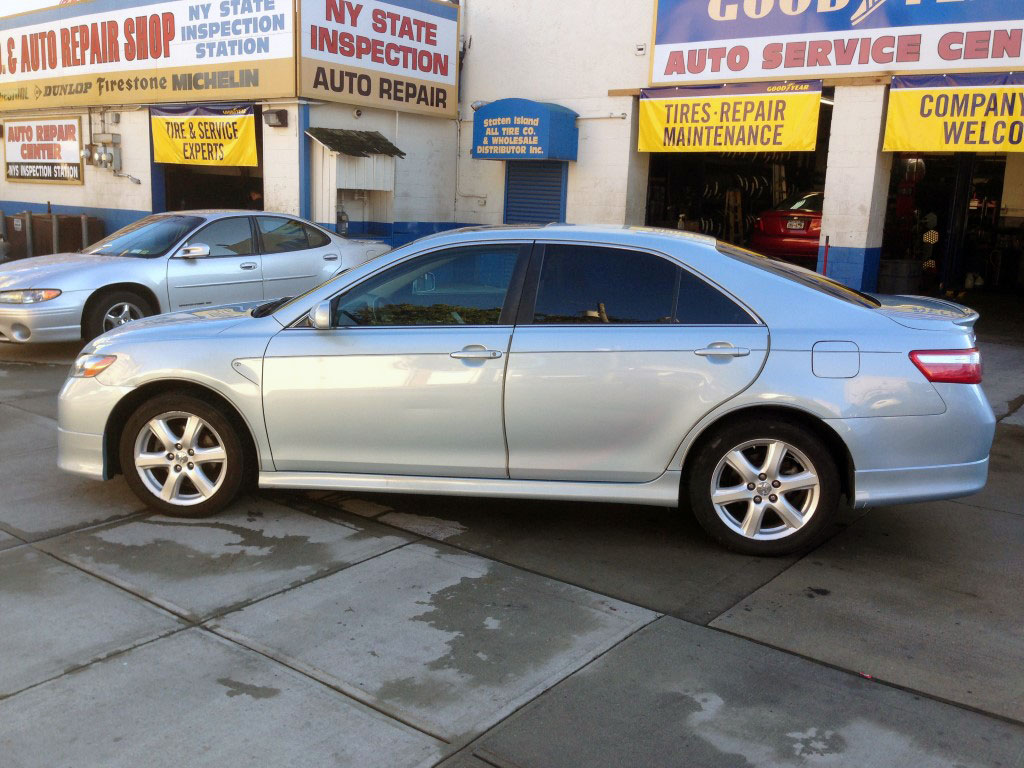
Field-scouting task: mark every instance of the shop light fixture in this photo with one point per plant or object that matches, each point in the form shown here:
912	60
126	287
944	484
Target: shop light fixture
276	118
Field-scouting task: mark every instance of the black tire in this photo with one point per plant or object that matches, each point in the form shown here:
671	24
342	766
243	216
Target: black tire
217	432
774	536
93	318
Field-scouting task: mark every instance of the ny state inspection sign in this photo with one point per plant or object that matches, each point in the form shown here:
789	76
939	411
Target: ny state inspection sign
734	40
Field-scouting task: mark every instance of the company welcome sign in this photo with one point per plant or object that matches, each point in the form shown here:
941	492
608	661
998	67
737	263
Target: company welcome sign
721	40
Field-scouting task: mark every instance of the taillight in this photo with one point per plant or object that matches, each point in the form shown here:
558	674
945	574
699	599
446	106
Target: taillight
815	225
949	366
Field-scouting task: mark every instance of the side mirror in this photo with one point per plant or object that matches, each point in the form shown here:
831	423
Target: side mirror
320	316
197	251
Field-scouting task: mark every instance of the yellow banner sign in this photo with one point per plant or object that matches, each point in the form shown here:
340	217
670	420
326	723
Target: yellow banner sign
756	117
204	136
956	113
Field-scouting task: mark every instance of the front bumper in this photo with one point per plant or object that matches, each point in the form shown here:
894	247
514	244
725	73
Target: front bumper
59	319
83	410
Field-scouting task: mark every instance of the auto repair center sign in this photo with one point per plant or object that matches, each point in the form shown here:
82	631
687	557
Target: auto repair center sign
132	51
722	40
399	54
43	151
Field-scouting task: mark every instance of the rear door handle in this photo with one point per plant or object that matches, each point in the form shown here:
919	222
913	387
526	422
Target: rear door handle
722	351
249	265
330	257
478	353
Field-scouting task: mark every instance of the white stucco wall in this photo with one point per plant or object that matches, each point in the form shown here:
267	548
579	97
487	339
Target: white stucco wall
576	52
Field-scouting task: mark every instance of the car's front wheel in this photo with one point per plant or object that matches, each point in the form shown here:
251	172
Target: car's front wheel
770	489
112	310
181	456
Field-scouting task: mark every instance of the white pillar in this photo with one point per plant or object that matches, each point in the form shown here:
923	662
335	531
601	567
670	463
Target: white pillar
856	186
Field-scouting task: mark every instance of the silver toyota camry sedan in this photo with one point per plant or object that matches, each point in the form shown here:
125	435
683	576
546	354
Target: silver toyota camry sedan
169	262
598	364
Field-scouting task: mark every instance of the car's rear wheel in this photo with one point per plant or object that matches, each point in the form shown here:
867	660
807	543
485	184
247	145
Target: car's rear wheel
112	310
182	456
768	489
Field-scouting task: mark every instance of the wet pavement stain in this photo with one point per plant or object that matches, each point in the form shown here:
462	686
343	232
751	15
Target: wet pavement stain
501	630
813	592
236	688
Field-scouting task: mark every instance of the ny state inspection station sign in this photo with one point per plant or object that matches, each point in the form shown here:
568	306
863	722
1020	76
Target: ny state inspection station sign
736	40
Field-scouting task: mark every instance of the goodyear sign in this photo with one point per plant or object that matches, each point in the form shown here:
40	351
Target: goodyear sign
204	136
723	40
956	113
393	54
146	51
753	117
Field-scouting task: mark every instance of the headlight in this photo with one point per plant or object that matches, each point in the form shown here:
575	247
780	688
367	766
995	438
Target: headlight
28	297
87	366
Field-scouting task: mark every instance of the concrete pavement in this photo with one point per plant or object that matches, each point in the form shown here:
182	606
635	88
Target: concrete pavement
368	630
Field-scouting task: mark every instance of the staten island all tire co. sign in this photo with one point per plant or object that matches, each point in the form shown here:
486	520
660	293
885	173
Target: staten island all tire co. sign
728	40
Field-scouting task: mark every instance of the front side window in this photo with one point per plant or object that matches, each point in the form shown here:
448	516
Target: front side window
226	237
458	286
282	235
151	236
584	284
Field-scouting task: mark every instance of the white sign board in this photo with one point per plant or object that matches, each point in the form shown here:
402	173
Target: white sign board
44	151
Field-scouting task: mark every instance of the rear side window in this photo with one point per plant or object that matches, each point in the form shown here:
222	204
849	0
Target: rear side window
317	239
282	235
799	275
584	284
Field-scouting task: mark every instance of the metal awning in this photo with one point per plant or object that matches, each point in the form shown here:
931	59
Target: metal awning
354	143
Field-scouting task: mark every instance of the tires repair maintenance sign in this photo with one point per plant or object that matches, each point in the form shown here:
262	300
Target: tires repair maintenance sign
747	117
204	135
140	51
47	150
392	54
727	40
956	113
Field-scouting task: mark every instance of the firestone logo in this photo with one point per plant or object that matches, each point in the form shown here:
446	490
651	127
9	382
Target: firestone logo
724	10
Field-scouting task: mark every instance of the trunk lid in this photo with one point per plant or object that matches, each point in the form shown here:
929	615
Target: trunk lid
925	313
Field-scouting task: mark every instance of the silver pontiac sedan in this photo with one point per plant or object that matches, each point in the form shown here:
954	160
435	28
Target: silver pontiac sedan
599	364
169	262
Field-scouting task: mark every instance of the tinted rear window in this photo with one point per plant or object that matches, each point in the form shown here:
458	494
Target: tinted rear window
811	202
799	275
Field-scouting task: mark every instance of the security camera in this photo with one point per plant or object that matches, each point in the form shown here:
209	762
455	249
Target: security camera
357	113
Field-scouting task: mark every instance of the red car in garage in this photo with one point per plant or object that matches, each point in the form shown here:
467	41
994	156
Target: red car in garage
791	230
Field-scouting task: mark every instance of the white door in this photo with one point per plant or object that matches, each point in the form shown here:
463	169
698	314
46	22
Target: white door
296	256
617	355
408	380
230	274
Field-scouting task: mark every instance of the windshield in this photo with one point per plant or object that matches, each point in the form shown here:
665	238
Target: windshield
152	236
799	275
809	202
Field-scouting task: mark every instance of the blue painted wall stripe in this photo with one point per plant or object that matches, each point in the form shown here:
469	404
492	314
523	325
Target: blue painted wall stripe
854	267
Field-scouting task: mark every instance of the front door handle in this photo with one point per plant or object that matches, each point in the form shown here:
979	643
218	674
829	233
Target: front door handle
249	265
722	350
476	353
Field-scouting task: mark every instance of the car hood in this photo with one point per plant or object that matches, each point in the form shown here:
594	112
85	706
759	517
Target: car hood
927	314
194	324
54	271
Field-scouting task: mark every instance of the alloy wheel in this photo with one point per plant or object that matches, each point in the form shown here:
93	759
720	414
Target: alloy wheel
765	489
180	458
121	313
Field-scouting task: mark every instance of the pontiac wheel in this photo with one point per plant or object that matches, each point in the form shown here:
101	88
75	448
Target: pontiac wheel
764	490
181	456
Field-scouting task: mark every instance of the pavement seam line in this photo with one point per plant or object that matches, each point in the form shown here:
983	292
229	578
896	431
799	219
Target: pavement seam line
130	517
237	639
467	744
106	657
871	679
44	421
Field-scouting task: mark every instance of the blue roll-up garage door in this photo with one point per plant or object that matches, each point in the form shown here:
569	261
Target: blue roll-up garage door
535	191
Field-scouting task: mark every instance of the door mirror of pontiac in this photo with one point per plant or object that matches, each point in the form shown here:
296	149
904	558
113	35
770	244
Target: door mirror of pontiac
196	251
320	316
